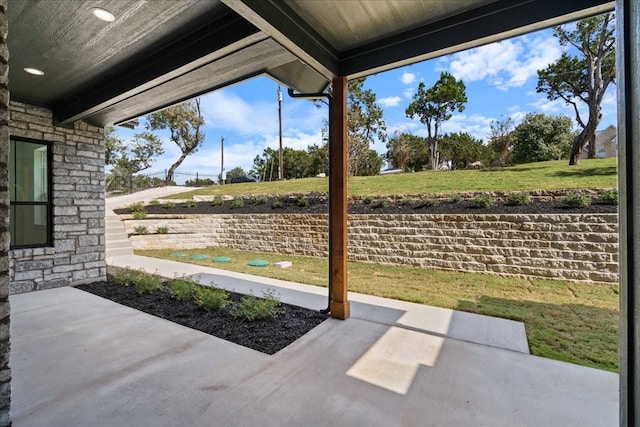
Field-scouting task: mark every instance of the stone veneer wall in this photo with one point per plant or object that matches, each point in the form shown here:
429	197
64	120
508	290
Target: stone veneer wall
78	251
577	247
5	342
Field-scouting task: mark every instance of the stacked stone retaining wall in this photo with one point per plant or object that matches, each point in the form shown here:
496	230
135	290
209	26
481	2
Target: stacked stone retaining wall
576	247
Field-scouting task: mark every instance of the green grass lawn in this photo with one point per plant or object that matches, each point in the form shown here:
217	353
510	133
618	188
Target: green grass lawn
594	173
572	322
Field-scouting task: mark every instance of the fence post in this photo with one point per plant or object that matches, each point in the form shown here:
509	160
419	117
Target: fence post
130	183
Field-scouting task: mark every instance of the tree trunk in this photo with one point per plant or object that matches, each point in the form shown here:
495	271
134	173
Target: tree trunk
574	158
433	153
173	168
592	147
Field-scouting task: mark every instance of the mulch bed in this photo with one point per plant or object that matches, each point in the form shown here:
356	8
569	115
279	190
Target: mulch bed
319	205
267	336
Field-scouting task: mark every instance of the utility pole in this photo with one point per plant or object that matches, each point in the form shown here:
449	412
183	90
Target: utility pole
280	163
222	159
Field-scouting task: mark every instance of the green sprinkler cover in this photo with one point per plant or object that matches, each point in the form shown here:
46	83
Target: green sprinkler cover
258	263
177	254
199	256
221	259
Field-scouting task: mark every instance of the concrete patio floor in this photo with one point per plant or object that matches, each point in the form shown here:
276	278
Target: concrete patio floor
80	360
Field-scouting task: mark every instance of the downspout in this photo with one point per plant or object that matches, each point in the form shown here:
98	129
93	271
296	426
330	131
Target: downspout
292	94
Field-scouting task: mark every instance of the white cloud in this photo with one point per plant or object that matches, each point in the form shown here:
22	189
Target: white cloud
508	63
408	92
391	101
408	78
475	125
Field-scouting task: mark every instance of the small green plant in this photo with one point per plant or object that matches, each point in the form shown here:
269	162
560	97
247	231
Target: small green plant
252	308
169	205
258	200
183	289
283	200
162	230
277	204
217	201
380	203
456	198
140	214
141	229
302	201
518	199
154	202
210	298
367	200
408	201
576	200
146	283
125	276
484	201
190	203
236	203
608	197
427	203
137	207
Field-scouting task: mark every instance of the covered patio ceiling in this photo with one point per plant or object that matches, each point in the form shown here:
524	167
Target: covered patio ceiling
156	53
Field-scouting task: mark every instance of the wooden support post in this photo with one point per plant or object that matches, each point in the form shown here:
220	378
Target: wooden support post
338	201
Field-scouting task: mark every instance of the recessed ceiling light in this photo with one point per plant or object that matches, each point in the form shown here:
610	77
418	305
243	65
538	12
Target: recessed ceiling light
34	71
103	14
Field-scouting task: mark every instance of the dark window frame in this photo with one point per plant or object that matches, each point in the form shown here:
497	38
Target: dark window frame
48	203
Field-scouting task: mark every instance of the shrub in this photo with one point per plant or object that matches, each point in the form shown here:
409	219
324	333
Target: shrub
302	201
169	205
141	229
210	298
125	276
518	199
140	214
162	230
258	200
456	198
183	289
217	201
484	201
407	201
367	200
277	204
380	203
137	207
190	203
154	202
427	203
608	197
146	283
252	308
576	200
236	203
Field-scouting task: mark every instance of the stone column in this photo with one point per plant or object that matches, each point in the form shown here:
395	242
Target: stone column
5	345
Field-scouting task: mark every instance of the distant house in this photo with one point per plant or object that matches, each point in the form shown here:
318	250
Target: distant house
606	143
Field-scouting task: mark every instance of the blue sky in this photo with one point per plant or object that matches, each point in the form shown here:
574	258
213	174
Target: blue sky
500	79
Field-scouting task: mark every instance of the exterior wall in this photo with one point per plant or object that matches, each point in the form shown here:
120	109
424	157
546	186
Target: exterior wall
78	251
5	342
577	247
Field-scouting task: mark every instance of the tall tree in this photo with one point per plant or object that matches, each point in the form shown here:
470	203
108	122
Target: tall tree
501	140
435	105
541	137
584	77
364	123
184	122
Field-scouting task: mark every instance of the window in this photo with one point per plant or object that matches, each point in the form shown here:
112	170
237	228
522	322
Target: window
30	193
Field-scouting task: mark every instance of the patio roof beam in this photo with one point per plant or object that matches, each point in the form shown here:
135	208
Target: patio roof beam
339	306
283	24
490	23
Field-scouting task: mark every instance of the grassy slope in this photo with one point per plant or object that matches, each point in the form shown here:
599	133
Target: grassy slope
596	173
577	323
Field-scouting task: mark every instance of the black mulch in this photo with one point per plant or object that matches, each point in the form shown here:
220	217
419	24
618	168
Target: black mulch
315	205
266	336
